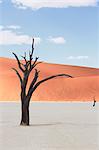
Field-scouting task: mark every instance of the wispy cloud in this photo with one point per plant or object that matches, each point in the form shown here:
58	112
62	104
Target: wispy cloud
77	57
57	40
34	4
10	27
9	37
13	27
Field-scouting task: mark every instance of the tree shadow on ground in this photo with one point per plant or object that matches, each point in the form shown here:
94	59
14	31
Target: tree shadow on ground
45	124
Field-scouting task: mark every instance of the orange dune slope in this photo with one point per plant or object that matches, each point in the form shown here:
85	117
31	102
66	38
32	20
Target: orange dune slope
83	87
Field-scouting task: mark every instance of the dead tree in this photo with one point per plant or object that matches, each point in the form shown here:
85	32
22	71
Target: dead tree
26	68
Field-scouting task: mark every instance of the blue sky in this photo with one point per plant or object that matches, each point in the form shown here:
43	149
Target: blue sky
65	33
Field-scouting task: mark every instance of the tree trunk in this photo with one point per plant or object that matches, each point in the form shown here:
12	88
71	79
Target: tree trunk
25	113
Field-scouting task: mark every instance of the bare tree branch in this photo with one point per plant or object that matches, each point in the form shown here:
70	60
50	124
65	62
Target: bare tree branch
19	63
32	46
48	78
33	81
34	65
37	63
51	77
34	62
31	53
24	57
18	75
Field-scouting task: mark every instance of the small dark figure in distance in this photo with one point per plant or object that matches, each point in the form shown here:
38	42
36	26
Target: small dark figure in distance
94	103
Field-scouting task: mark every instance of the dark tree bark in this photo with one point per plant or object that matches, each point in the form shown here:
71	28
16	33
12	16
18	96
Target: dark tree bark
25	113
26	69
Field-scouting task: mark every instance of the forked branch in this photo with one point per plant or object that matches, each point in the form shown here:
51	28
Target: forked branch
33	81
48	78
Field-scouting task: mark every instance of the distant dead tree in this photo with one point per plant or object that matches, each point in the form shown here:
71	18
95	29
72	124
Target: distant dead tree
26	68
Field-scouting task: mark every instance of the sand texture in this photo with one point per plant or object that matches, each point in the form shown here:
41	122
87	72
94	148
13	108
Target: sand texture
54	126
83	87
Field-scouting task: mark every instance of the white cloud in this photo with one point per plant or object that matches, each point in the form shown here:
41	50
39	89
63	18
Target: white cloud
8	37
77	57
57	40
13	27
36	4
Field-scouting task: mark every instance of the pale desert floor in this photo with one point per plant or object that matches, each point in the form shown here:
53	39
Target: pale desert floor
54	126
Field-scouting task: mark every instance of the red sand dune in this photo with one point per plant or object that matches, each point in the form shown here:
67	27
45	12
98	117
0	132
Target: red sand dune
83	87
